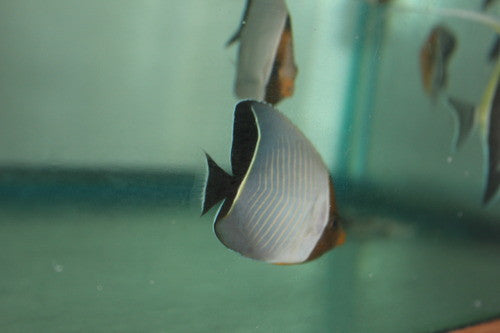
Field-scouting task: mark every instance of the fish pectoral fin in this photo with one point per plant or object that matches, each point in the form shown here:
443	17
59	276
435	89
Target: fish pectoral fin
217	185
465	117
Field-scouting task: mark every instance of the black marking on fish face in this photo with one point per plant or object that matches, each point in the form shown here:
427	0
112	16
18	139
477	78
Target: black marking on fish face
245	136
493	140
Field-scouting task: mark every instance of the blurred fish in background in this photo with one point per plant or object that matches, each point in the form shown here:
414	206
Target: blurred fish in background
434	58
486	4
435	55
266	67
379	2
279	204
494	49
495	46
487	116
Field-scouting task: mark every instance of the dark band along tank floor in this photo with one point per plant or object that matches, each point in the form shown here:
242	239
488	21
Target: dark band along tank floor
150	269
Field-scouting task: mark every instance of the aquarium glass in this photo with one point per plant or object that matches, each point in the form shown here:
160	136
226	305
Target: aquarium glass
108	107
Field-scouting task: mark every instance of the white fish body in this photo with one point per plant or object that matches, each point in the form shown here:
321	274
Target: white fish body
259	40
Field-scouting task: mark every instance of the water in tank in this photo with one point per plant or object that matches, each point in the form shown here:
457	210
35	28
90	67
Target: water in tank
352	174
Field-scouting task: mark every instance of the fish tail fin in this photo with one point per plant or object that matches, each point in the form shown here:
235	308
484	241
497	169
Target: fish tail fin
216	187
465	116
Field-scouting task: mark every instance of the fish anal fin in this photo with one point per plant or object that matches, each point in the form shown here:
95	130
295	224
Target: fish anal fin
217	185
465	118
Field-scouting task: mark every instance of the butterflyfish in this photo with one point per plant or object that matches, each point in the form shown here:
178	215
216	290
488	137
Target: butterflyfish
278	204
487	116
435	54
266	67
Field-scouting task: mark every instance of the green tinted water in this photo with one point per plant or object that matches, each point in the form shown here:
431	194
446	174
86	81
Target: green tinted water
163	270
105	109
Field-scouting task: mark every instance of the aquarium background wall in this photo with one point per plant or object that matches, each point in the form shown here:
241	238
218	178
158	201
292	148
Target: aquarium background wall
106	109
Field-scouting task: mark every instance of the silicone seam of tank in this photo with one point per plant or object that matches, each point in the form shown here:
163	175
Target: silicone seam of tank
369	95
353	84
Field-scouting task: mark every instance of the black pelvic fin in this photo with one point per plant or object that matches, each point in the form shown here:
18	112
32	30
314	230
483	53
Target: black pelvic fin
465	117
217	187
245	136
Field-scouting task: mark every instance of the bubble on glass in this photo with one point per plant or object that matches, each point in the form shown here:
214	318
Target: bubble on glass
58	268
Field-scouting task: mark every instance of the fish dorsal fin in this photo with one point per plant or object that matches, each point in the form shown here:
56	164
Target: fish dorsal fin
245	137
465	118
237	34
217	186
